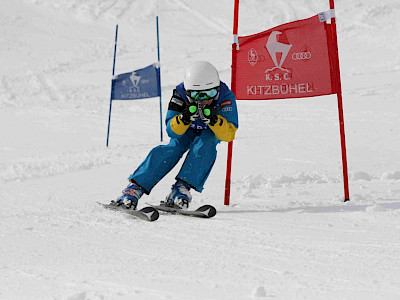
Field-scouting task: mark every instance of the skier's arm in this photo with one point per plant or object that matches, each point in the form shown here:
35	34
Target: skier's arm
223	130
179	116
224	120
177	125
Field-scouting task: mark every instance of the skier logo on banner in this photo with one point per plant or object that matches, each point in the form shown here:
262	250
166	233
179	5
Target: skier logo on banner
278	52
253	57
135	79
276	47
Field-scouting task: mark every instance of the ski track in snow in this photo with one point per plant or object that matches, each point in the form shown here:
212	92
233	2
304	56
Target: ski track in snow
287	233
37	167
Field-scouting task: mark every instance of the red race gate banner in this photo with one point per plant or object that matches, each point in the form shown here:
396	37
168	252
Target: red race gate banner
292	60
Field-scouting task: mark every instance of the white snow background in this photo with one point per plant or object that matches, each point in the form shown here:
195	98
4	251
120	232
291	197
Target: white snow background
287	233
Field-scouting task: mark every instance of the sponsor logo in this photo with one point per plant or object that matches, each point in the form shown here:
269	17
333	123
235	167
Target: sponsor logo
226	109
177	101
149	214
225	103
301	56
252	56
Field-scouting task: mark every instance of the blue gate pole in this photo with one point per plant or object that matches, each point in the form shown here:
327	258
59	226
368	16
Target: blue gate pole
159	78
112	83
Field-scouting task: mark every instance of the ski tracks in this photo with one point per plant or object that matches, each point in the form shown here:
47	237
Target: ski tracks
67	162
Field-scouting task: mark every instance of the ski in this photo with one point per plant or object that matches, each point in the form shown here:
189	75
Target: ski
147	213
205	211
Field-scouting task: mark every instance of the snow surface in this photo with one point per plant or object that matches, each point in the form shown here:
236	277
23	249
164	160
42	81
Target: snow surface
287	233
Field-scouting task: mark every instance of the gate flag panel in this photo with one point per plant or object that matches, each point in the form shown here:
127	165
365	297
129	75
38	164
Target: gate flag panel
293	60
289	61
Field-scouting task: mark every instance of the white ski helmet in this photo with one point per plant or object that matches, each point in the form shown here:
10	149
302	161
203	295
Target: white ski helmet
201	75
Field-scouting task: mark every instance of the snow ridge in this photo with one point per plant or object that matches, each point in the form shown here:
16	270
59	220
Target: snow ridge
66	162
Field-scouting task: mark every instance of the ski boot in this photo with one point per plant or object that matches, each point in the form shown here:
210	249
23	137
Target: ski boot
129	198
179	197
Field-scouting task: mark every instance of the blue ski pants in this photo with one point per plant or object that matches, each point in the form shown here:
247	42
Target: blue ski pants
161	160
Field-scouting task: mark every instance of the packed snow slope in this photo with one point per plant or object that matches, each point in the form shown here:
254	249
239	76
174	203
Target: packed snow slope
287	233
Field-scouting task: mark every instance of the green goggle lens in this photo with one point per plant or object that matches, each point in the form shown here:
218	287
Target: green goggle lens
203	94
207	112
192	109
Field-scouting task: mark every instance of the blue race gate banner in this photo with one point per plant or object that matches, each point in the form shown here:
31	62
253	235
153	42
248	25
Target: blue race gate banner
139	84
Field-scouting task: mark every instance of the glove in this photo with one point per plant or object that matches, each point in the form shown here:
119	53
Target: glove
208	115
190	114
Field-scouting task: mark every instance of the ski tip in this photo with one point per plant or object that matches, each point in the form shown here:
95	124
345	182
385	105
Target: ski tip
209	211
106	205
151	213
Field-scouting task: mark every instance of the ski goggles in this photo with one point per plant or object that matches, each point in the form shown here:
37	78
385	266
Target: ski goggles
203	95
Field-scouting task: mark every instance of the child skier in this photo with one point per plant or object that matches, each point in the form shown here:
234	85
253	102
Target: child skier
201	113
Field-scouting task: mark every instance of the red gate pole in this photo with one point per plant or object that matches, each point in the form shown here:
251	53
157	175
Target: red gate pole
233	88
340	108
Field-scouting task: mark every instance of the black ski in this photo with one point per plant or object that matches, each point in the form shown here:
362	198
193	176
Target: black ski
205	211
147	213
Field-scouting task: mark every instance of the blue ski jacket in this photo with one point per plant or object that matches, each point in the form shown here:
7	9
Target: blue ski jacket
225	105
